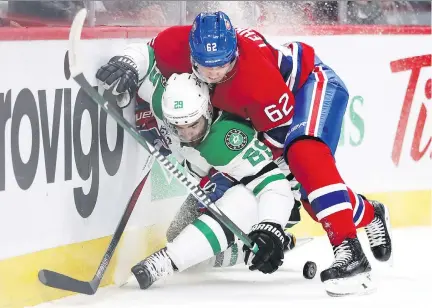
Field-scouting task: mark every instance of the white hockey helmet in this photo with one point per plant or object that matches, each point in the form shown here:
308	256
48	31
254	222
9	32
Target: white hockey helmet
186	108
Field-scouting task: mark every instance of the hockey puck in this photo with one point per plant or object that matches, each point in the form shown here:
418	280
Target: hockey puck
309	270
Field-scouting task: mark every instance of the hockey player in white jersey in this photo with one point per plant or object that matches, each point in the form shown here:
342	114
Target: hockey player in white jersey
256	195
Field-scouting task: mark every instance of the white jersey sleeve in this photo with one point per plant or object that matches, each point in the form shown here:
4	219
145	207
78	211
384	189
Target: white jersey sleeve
143	56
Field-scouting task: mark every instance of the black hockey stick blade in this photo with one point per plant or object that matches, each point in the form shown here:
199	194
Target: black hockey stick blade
63	282
60	281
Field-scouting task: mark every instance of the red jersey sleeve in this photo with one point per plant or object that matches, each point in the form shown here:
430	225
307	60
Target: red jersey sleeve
171	48
297	63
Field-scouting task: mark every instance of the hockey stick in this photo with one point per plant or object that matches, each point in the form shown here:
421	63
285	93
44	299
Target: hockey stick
60	281
190	183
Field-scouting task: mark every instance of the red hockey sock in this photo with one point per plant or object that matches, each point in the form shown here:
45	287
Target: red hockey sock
368	215
363	214
313	165
364	211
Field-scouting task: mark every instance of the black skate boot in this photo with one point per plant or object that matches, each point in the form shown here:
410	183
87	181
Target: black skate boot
290	241
295	215
379	232
350	271
152	268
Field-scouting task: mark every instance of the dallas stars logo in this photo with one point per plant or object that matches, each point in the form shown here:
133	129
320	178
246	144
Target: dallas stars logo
235	139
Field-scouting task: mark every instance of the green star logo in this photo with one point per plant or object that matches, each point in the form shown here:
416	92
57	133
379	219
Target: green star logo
236	140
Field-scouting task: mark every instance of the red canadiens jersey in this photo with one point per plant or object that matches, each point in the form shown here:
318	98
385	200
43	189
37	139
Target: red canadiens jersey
261	85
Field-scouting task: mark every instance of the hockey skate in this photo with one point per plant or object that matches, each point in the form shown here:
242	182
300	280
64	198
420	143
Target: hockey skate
379	233
349	273
295	215
152	268
290	241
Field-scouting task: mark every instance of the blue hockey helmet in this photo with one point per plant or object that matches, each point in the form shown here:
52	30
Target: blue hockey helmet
212	40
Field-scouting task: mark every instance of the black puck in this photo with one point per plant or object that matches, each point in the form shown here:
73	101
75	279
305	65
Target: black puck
309	270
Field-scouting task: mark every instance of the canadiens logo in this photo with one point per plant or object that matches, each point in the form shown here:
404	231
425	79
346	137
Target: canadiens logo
235	139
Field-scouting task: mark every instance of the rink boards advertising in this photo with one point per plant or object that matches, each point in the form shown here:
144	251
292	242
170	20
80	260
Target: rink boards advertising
67	170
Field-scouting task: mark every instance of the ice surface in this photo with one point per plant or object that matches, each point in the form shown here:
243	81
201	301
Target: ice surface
407	282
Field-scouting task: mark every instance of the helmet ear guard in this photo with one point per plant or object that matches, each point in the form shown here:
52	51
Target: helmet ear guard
213	40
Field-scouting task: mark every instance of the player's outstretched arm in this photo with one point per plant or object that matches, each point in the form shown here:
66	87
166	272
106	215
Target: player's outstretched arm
123	74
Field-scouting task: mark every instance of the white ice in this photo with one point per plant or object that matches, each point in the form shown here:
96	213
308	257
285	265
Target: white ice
406	283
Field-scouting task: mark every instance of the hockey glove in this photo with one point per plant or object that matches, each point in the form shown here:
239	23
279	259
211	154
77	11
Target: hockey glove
147	126
120	76
270	239
215	184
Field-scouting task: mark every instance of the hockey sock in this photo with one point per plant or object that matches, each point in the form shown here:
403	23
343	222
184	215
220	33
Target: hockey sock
313	165
363	210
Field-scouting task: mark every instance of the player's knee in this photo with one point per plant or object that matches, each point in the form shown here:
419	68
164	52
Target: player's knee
305	147
228	234
308	160
240	205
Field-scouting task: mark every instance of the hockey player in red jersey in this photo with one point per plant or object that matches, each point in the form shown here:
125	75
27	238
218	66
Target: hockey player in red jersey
296	101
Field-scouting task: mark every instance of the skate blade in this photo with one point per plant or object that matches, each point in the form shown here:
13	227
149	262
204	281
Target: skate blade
360	284
390	261
302	241
298	243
